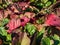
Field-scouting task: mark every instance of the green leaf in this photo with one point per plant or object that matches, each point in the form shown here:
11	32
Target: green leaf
40	21
8	37
30	28
28	9
32	0
5	36
5	21
0	23
1	7
53	1
59	44
49	30
3	31
48	4
56	37
7	3
4	5
35	10
41	32
44	1
39	5
51	42
46	41
14	0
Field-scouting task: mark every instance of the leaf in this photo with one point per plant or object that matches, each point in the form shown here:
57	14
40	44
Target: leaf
24	20
39	5
52	20
5	21
35	10
48	3
28	10
45	41
49	30
51	42
44	1
13	24
1	7
59	44
25	40
53	1
56	37
5	36
40	21
8	37
3	31
14	0
41	32
32	0
30	28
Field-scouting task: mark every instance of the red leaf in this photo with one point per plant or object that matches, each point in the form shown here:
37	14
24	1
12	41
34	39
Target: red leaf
23	5
24	20
13	24
13	16
52	20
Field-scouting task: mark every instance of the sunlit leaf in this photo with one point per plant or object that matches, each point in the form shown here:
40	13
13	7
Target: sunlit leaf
3	31
44	1
30	28
56	37
8	37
